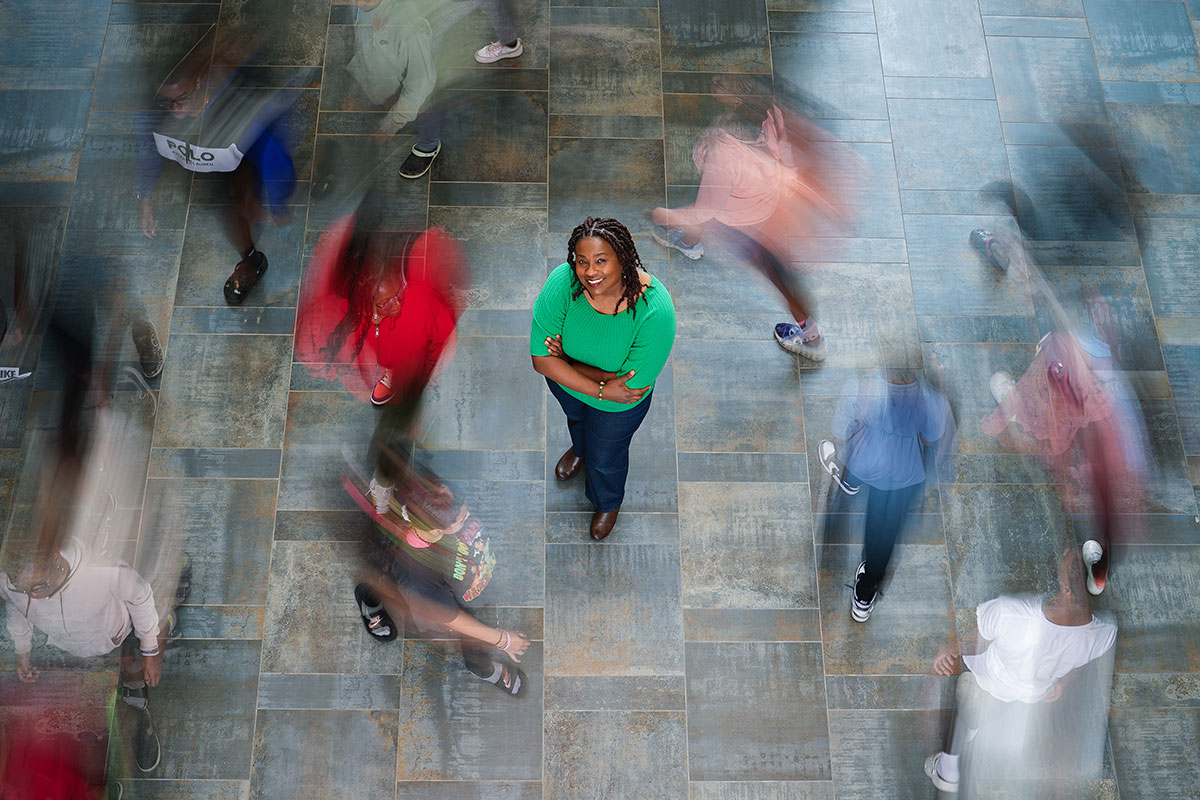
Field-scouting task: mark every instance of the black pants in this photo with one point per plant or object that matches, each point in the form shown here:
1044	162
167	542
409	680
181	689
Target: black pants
886	512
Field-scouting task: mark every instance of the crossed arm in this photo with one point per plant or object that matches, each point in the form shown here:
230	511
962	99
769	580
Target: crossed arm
584	378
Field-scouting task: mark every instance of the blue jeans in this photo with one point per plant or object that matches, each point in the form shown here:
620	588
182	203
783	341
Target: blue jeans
602	439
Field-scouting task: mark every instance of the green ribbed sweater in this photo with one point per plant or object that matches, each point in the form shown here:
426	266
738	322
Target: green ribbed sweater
614	343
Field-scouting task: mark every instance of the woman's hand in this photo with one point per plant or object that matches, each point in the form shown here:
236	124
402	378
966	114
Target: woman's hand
554	345
618	392
518	643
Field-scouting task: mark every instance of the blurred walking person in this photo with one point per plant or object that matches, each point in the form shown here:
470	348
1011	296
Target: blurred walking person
763	179
883	425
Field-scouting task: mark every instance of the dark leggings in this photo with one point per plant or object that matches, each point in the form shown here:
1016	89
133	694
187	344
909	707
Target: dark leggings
886	512
762	259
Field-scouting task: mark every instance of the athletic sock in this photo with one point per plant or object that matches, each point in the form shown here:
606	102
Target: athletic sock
947	767
512	44
495	676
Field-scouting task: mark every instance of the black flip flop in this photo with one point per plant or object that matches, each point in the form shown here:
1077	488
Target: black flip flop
517	680
244	278
375	617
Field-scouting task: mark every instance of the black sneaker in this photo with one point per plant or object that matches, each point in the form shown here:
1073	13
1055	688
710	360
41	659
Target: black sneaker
858	609
418	162
149	349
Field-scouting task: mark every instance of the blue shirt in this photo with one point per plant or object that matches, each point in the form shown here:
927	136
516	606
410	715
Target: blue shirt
883	424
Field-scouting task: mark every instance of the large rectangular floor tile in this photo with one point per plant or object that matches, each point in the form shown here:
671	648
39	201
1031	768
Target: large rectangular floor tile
625	177
207	694
1142	43
932	38
1168	247
756	712
319	426
947	144
837	75
613	610
451	721
602	68
40	141
224	391
1152	612
225	529
460	416
732	538
1155	751
344	752
912	617
763	416
1046	80
1158	145
714	36
584	745
313	624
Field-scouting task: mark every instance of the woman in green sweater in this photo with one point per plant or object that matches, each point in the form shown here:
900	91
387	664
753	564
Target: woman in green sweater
603	328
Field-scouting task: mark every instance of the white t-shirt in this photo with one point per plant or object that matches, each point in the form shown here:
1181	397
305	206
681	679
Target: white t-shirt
1028	654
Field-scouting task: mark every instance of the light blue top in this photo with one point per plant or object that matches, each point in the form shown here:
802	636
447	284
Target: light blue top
883	424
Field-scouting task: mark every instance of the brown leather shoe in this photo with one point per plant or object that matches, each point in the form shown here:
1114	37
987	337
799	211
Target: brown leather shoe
603	522
568	466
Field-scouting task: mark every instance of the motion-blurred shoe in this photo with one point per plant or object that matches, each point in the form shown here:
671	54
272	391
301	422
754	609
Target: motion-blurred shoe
827	452
137	697
673	238
383	391
931	769
382	495
860	610
1092	553
993	249
418	162
807	341
147	749
491	53
149	349
1001	383
374	616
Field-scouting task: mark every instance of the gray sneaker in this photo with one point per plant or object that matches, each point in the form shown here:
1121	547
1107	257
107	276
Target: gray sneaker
149	349
673	238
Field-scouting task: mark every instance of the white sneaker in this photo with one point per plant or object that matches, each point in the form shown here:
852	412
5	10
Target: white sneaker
382	495
827	453
1092	553
931	769
1001	384
491	53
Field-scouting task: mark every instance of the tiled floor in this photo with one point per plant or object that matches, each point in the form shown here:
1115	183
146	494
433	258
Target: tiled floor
705	650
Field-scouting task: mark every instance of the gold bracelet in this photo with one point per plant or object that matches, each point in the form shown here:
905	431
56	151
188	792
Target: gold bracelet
601	395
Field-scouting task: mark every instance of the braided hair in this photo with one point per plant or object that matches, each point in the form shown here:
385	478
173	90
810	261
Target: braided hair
621	241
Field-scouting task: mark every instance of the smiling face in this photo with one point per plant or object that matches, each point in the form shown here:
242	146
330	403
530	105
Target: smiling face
597	267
